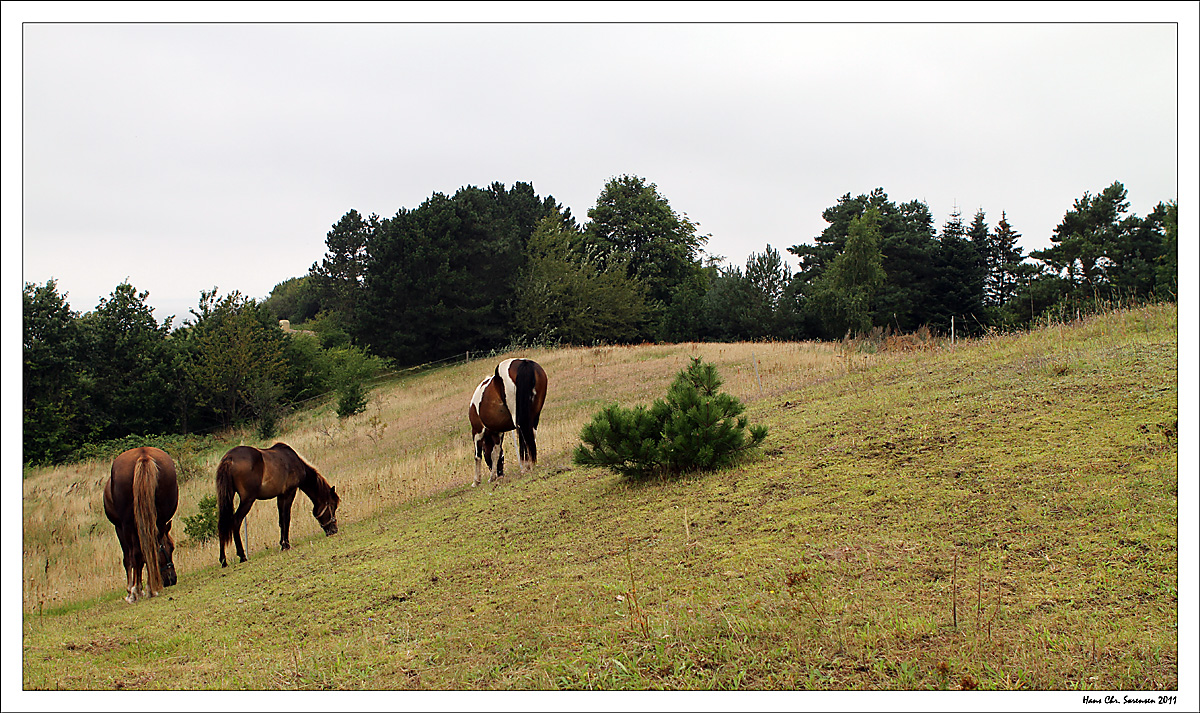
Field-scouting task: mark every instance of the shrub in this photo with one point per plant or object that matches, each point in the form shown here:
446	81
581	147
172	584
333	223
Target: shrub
202	526
352	399
695	428
349	370
187	450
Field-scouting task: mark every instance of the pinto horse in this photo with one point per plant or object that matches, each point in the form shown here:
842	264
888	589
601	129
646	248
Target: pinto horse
263	474
140	498
518	386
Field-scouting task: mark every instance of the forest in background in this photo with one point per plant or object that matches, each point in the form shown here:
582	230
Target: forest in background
492	267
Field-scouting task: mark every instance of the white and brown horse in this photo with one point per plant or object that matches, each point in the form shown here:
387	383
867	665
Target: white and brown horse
139	499
510	399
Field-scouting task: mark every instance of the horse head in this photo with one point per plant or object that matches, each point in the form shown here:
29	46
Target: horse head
326	512
166	555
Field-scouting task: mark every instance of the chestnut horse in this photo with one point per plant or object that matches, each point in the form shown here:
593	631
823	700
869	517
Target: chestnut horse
139	499
518	387
263	474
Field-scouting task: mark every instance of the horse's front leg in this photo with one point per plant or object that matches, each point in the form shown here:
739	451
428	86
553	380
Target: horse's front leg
285	518
479	462
497	459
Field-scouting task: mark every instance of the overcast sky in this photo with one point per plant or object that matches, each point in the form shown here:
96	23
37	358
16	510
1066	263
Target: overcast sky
184	157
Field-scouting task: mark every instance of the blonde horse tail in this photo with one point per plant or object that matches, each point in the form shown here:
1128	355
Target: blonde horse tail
145	514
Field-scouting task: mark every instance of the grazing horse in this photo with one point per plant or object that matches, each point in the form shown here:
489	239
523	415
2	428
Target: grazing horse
140	498
263	474
518	387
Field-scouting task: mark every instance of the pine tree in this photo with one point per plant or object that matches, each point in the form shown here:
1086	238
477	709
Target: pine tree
695	428
1004	264
958	286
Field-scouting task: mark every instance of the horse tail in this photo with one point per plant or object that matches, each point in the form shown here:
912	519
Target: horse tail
525	384
225	492
526	418
145	514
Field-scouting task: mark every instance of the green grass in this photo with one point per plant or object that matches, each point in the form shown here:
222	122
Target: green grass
1002	515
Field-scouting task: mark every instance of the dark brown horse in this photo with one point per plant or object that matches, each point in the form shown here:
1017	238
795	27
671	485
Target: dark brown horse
510	399
140	498
263	474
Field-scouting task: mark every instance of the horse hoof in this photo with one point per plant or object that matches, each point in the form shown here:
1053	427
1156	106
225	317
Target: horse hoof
285	546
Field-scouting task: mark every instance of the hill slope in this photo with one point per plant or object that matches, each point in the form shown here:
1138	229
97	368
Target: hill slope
1002	515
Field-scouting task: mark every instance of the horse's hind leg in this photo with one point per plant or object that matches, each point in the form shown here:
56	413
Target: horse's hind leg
528	450
285	518
136	590
127	561
131	582
238	516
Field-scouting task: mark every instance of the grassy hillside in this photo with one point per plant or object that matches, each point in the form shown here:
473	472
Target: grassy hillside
1000	515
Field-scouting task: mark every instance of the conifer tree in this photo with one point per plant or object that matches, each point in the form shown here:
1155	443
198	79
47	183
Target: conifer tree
696	427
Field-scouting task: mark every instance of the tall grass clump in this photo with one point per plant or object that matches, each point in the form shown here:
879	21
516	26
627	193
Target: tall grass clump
696	427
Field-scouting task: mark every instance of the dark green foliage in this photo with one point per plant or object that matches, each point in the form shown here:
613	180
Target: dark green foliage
844	295
1086	235
439	280
749	304
1102	253
235	357
295	299
695	428
202	526
348	370
186	450
352	399
632	225
130	389
958	287
1002	260
53	419
113	379
1166	263
337	280
907	246
564	295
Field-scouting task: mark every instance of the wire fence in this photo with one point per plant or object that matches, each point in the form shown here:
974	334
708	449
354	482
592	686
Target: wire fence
453	360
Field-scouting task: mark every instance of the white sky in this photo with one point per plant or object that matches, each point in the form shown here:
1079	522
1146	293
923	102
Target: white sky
187	156
190	156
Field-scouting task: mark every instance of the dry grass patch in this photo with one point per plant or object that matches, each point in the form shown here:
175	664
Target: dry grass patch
411	442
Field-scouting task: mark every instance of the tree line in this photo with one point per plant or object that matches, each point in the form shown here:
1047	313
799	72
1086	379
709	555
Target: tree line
116	371
497	266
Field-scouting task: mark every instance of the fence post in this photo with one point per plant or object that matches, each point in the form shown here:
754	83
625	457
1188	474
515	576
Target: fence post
756	376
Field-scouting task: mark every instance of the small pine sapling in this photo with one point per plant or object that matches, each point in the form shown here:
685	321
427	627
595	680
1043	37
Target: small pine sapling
695	428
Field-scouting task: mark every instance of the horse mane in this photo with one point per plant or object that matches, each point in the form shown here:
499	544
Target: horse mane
283	448
145	512
312	477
